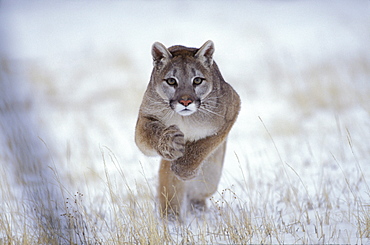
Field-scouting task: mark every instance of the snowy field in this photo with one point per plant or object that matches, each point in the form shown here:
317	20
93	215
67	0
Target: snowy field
72	75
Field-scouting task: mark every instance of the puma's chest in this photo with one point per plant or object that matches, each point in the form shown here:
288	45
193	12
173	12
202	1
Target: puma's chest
193	130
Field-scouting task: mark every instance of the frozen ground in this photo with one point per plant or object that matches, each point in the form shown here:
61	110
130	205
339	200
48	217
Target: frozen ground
71	81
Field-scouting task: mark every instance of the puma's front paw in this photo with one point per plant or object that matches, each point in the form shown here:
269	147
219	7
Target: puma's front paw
183	172
171	143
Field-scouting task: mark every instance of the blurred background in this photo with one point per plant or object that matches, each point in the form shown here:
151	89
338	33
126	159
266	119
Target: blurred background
73	73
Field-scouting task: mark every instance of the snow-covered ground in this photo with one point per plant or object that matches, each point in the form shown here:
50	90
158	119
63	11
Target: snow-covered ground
71	81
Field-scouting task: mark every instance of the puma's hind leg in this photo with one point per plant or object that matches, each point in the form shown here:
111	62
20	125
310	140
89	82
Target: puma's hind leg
206	183
171	191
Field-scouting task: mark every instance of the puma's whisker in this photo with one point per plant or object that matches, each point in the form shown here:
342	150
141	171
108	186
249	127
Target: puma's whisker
205	110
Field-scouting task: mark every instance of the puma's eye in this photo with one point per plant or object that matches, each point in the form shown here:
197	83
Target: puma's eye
171	81
197	80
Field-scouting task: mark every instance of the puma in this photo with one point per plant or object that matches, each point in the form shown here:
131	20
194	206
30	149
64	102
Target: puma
186	114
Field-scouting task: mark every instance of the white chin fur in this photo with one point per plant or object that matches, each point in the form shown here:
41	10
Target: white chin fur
185	110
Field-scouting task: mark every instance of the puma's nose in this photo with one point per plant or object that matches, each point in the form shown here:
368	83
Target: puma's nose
185	101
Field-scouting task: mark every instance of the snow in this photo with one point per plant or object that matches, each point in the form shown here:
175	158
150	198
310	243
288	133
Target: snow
73	74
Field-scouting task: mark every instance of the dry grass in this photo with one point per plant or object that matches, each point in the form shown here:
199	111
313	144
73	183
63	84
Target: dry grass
282	212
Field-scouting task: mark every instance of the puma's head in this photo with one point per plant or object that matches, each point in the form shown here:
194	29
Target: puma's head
183	76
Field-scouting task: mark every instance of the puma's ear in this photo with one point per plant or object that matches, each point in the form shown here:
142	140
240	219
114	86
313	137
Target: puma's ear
205	53
160	54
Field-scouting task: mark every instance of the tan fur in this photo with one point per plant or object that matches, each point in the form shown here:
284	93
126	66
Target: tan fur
191	139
